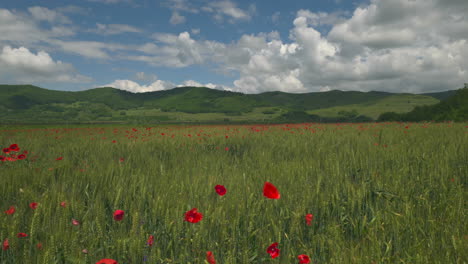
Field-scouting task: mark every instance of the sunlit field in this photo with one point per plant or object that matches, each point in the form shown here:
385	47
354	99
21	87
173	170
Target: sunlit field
347	193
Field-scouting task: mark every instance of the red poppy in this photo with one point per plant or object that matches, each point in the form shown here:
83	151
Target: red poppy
6	150
21	157
6	245
220	189
303	259
193	216
226	148
273	250
10	211
75	222
270	191
2	158
210	258
118	215
63	204
107	261
33	205
121	159
14	147
39	246
22	235
150	240
59	158
309	218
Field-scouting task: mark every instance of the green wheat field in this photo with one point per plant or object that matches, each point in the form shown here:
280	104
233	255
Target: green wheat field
378	193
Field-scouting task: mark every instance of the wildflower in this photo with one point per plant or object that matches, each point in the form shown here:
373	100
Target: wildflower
273	250
22	235
75	222
14	147
210	258
33	205
193	216
270	191
220	189
309	218
150	240
6	245
10	211
118	215
107	261
303	259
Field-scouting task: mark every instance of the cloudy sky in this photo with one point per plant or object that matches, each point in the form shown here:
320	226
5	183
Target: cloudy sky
248	46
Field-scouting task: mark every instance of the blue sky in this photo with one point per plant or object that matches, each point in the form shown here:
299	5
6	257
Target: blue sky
248	46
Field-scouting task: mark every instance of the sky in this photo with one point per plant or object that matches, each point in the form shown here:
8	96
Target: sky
295	46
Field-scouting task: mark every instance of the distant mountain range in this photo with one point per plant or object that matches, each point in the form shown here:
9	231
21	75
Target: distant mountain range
31	104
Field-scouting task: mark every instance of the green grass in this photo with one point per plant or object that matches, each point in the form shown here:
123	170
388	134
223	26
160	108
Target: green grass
394	103
380	193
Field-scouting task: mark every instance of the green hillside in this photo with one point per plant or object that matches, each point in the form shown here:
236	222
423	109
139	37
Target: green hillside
400	103
454	108
27	103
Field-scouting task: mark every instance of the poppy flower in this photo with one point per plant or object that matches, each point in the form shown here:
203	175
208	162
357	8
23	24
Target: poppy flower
118	215
226	148
14	147
121	159
21	157
2	158
220	189
303	259
210	258
309	218
6	245
33	205
107	261
150	240
59	158
6	150
22	235
193	216
39	246
10	211
75	222
270	191
273	250
63	204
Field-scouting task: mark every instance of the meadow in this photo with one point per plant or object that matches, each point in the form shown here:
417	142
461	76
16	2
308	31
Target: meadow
378	193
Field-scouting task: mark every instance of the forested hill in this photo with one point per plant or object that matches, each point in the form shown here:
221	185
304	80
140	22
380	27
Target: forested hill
27	102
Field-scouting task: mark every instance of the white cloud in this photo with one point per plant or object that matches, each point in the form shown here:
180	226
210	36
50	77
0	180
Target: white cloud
176	18
134	87
141	76
45	14
114	29
228	9
21	65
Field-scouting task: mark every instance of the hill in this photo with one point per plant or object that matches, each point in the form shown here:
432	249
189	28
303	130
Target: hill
28	103
453	108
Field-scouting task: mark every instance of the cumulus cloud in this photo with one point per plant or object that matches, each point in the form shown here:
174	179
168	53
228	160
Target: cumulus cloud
396	46
22	65
135	87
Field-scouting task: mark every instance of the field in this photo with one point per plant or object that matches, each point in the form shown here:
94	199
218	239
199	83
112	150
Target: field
378	193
